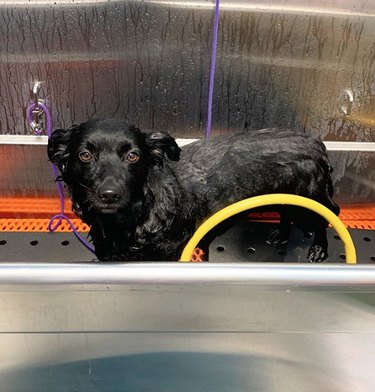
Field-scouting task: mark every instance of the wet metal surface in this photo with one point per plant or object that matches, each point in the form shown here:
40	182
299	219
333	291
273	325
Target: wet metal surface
187	327
299	65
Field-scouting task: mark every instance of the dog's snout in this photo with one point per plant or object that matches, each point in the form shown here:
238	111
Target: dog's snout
109	195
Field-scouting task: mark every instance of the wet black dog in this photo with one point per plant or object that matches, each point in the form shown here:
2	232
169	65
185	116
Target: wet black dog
143	202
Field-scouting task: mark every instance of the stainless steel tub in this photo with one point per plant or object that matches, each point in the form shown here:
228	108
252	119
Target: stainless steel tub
176	327
197	328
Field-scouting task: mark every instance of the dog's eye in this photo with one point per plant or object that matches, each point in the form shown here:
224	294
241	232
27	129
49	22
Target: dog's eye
85	156
132	157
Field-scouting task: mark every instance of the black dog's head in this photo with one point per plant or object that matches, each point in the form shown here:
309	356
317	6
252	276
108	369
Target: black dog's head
105	163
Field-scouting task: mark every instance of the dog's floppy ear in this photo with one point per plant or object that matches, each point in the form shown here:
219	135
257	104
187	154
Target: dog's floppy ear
161	143
58	148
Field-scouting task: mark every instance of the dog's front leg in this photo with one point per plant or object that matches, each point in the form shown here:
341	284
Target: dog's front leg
280	235
103	244
319	249
103	250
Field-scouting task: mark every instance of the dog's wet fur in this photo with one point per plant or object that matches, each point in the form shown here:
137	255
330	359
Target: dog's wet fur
144	197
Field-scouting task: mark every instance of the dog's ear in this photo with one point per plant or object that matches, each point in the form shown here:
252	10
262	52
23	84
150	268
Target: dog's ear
161	143
58	148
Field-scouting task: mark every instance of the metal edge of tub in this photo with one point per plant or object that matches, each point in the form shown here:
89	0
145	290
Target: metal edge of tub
177	274
32	140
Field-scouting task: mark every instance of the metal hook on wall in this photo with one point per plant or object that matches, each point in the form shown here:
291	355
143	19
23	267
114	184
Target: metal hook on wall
346	102
37	112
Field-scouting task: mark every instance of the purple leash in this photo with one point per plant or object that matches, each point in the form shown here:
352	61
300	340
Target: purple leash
61	216
212	69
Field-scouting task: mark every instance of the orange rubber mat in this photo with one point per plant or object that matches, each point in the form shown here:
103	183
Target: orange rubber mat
354	216
29	214
32	207
39	225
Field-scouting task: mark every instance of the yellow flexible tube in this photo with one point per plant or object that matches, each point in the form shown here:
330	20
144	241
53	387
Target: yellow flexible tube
266	200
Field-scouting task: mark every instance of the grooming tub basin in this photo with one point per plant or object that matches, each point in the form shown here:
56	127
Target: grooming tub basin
187	327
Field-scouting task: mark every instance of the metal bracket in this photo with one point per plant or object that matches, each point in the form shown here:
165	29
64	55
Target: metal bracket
346	102
37	125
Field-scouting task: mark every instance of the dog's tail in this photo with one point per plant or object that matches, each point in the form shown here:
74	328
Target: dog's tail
327	169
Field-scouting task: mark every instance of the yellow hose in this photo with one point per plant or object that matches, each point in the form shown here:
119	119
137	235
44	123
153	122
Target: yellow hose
266	200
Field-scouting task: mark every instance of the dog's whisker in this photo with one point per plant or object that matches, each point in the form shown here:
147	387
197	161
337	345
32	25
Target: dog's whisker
85	201
83	186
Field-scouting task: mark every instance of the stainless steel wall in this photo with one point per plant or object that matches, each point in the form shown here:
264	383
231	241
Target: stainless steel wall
302	64
279	63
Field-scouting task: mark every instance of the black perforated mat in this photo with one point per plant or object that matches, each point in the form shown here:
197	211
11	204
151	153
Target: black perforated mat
244	242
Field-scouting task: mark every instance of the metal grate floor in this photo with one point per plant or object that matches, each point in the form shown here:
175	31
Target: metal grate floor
245	242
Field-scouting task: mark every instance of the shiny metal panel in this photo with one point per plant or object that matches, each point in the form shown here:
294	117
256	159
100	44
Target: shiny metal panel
300	63
188	273
32	140
303	64
187	362
130	59
297	64
184	297
168	327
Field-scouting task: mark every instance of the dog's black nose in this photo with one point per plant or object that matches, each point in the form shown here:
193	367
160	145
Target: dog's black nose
109	195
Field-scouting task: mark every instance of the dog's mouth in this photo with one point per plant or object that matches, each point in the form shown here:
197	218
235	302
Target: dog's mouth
107	208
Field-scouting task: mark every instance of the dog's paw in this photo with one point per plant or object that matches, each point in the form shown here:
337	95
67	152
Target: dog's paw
317	254
276	237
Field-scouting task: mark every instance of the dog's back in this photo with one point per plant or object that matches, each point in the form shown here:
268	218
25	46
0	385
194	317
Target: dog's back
227	169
